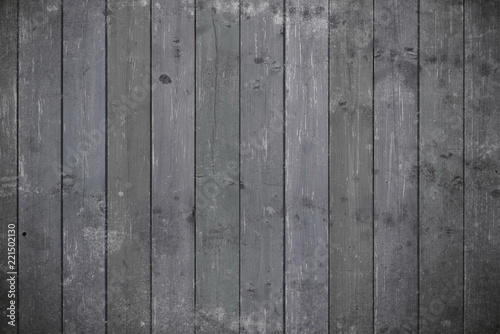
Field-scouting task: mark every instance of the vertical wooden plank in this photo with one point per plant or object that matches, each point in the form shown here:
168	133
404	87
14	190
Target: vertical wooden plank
441	166
396	165
306	167
8	165
173	166
39	167
217	166
482	166
84	170
351	166
128	84
262	206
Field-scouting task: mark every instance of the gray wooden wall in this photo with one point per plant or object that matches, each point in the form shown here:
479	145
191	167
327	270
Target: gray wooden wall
225	166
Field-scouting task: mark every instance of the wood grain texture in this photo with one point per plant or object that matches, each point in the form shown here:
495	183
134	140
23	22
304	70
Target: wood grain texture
8	156
39	167
396	165
306	167
217	166
262	206
128	234
441	166
173	166
351	166
84	170
226	166
482	166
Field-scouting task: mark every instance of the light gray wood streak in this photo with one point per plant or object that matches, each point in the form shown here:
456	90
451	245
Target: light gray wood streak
306	163
128	237
173	166
8	152
351	166
396	165
39	167
482	166
84	183
441	166
262	206
217	166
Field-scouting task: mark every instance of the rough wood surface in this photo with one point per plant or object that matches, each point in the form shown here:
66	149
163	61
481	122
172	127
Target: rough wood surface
84	157
225	166
8	155
173	166
482	166
351	166
217	166
441	166
262	218
128	233
396	165
39	167
306	167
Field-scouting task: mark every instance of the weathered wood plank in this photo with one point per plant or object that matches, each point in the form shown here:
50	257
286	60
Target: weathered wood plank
482	166
441	166
396	165
173	166
39	167
217	162
262	219
351	166
128	235
8	162
306	167
84	170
